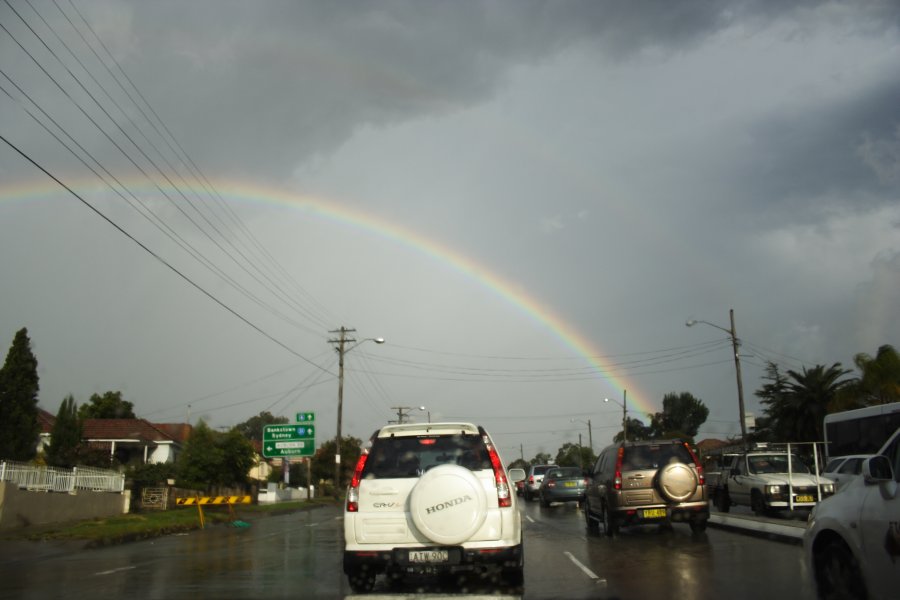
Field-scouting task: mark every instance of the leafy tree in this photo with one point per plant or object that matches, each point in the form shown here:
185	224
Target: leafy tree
200	459
19	427
252	428
541	458
636	431
65	439
879	381
795	405
517	464
574	455
108	406
238	457
681	417
323	461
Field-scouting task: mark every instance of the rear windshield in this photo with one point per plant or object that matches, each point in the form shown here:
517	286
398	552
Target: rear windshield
564	473
639	458
539	470
411	456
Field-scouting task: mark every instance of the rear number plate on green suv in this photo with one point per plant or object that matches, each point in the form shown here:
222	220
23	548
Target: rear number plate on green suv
428	556
654	513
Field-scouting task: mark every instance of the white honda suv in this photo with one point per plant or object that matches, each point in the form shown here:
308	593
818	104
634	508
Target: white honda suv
432	498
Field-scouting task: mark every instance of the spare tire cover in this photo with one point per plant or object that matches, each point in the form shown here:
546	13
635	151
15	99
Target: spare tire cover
448	504
677	482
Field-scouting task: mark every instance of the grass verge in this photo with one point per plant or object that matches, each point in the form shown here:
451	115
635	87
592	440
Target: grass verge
150	524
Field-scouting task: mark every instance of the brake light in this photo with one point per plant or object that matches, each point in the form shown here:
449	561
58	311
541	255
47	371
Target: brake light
551	483
617	480
700	476
353	490
504	499
531	479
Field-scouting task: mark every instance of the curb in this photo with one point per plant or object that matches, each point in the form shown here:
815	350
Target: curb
791	534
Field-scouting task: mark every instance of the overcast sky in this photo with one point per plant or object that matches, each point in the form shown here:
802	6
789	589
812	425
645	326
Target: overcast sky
527	200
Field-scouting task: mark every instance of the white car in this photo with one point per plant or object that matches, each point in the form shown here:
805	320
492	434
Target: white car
430	498
844	469
852	543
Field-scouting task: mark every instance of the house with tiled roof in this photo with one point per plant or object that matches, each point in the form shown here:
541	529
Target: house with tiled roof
128	441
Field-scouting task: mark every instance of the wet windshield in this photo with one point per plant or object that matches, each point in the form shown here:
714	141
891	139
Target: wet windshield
776	463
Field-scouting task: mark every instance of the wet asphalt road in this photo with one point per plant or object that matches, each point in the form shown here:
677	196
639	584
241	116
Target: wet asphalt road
299	556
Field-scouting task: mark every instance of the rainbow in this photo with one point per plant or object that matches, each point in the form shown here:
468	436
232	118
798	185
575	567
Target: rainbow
331	211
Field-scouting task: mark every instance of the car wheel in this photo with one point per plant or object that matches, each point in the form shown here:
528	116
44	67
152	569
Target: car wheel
757	504
698	525
610	525
677	482
544	503
722	501
448	504
837	573
589	521
361	581
527	496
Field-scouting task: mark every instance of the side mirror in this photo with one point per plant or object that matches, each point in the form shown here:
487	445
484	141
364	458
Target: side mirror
877	469
516	475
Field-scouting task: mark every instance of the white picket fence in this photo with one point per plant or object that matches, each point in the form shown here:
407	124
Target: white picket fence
53	479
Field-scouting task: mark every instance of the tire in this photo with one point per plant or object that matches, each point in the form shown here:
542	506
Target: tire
837	573
513	576
361	581
527	495
593	527
757	504
722	501
610	525
677	482
448	504
544	503
698	525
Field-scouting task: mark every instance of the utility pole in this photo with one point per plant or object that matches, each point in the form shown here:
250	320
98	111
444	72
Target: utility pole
341	342
624	415
735	344
402	413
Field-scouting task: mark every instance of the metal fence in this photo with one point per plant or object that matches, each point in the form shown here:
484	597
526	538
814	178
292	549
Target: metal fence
52	479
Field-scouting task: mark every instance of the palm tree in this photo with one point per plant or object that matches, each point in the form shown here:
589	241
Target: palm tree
797	403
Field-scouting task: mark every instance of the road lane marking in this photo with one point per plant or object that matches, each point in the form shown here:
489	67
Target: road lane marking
530	520
587	571
110	572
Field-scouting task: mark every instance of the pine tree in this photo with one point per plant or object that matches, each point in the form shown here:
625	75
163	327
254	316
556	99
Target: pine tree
66	436
19	427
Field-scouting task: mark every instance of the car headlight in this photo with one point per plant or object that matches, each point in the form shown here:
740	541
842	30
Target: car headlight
774	490
827	488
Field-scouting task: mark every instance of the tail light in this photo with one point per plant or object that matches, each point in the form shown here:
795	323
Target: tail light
531	479
504	498
353	490
551	483
617	481
700	476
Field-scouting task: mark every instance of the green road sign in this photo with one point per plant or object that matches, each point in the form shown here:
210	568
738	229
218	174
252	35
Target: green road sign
306	417
289	440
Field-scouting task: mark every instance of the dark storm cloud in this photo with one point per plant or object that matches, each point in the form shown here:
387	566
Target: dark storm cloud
313	73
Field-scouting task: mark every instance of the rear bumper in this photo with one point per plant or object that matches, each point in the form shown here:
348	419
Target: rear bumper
459	559
695	511
563	495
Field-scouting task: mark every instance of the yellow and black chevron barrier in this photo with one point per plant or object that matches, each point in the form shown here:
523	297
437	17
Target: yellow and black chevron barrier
213	500
229	501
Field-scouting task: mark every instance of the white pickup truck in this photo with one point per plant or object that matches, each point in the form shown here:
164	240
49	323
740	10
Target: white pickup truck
766	481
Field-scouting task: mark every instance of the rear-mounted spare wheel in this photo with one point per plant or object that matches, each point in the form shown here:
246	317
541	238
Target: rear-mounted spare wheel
677	482
448	504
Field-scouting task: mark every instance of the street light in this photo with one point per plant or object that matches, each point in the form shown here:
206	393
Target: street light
624	405
343	349
735	343
590	436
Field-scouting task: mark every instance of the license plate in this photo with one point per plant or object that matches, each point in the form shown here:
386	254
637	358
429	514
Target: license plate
428	556
654	513
570	484
804	499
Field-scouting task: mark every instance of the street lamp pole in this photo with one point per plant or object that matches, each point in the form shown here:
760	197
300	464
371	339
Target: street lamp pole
342	349
624	406
735	345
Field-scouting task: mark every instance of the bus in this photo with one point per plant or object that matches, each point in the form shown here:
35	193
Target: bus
860	431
